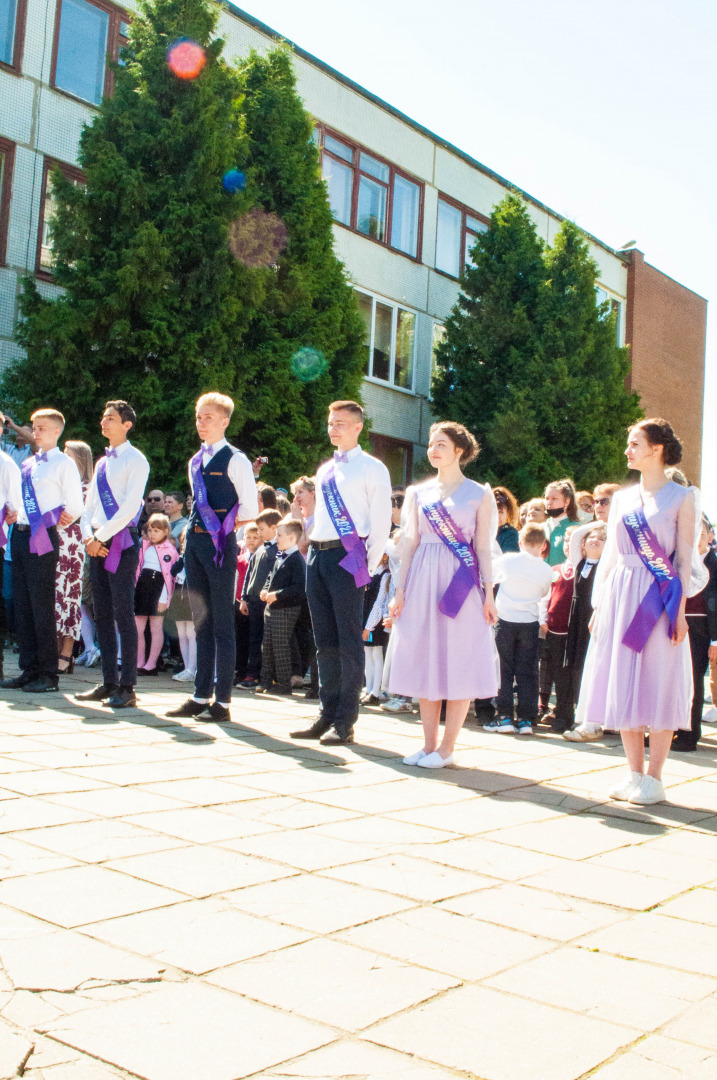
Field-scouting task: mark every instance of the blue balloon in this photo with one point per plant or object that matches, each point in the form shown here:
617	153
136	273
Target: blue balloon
233	181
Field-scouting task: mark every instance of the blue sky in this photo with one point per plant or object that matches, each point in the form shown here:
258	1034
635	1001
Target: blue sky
606	112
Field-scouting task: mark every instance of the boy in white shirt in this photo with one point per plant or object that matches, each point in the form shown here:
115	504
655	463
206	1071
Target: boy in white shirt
524	580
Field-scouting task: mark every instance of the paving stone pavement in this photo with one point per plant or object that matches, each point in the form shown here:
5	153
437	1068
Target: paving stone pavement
182	901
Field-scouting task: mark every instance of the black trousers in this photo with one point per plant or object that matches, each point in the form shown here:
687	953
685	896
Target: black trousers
211	594
517	645
279	624
241	628
700	651
553	657
336	606
256	636
113	601
303	648
33	588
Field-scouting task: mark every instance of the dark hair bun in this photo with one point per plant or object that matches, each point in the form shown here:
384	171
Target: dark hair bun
659	433
461	438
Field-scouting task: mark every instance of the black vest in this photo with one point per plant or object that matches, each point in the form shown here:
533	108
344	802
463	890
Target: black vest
221	493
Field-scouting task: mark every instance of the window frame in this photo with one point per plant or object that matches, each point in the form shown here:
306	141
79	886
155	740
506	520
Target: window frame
71	172
394	170
395	308
117	16
381	443
466	212
7	147
15	65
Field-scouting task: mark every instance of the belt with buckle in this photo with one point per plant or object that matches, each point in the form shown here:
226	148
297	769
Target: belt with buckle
325	545
23	528
199	529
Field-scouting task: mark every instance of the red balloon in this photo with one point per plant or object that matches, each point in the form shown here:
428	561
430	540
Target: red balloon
186	59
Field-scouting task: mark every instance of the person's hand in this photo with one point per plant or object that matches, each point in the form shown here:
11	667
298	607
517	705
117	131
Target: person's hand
161	608
396	605
257	465
591	624
263	595
95	547
713	654
243	607
270	598
366	634
11	517
65	519
680	630
544	627
490	611
388	622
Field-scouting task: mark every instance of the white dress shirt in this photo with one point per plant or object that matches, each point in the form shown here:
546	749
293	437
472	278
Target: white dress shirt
241	475
365	487
127	473
10	483
524	580
57	483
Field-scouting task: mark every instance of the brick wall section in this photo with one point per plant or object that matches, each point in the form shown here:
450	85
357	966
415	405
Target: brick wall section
665	329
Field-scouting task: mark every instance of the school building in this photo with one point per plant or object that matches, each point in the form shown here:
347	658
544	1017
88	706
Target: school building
407	206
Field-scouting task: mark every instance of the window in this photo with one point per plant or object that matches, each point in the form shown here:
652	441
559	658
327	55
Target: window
371	195
389	341
45	261
601	297
12	32
7	159
456	232
85	34
396	455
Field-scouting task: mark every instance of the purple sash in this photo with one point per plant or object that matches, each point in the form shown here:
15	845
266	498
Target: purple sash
218	530
354	546
40	543
664	594
3	534
123	539
468	573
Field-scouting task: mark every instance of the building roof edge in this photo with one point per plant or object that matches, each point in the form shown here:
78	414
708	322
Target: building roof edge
387	107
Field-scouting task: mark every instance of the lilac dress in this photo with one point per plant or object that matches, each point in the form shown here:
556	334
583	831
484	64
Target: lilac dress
622	689
433	656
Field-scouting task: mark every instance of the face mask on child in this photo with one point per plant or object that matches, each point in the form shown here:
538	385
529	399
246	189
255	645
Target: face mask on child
555	511
584	516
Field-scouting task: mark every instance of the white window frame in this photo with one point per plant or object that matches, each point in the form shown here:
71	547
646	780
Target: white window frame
395	307
607	294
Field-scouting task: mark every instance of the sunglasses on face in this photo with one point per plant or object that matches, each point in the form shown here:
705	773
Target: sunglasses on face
601	502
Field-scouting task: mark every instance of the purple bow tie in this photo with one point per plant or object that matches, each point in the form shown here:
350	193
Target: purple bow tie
110	451
208	449
341	457
41	456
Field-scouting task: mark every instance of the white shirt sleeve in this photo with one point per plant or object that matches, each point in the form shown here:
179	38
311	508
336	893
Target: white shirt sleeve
12	485
71	485
379	493
91	502
242	477
138	469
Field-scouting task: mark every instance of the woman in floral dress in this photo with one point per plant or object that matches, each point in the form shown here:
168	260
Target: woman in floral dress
70	567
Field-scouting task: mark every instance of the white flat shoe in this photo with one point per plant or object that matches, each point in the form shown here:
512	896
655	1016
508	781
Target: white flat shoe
647	792
414	759
624	790
434	761
582	735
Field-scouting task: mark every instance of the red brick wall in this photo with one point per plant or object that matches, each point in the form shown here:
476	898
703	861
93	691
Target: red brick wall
665	329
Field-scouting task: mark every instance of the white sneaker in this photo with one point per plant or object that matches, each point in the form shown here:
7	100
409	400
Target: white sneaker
647	792
434	761
82	659
93	658
710	717
397	705
414	759
624	790
580	734
184	676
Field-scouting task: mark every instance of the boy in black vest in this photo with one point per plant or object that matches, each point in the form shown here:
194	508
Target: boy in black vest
224	497
251	604
283	591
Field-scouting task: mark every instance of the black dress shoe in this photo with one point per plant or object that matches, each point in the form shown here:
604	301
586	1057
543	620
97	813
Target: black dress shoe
123	698
99	693
317	729
17	683
43	684
146	671
214	714
683	746
189	708
338	738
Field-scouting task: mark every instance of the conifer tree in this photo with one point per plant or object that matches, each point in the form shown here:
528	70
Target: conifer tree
530	362
155	306
309	304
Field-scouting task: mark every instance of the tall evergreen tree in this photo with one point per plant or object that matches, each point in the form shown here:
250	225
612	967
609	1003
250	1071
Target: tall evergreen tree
488	354
309	304
154	304
530	361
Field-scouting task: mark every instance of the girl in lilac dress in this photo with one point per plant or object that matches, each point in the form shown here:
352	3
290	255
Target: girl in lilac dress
440	657
646	683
